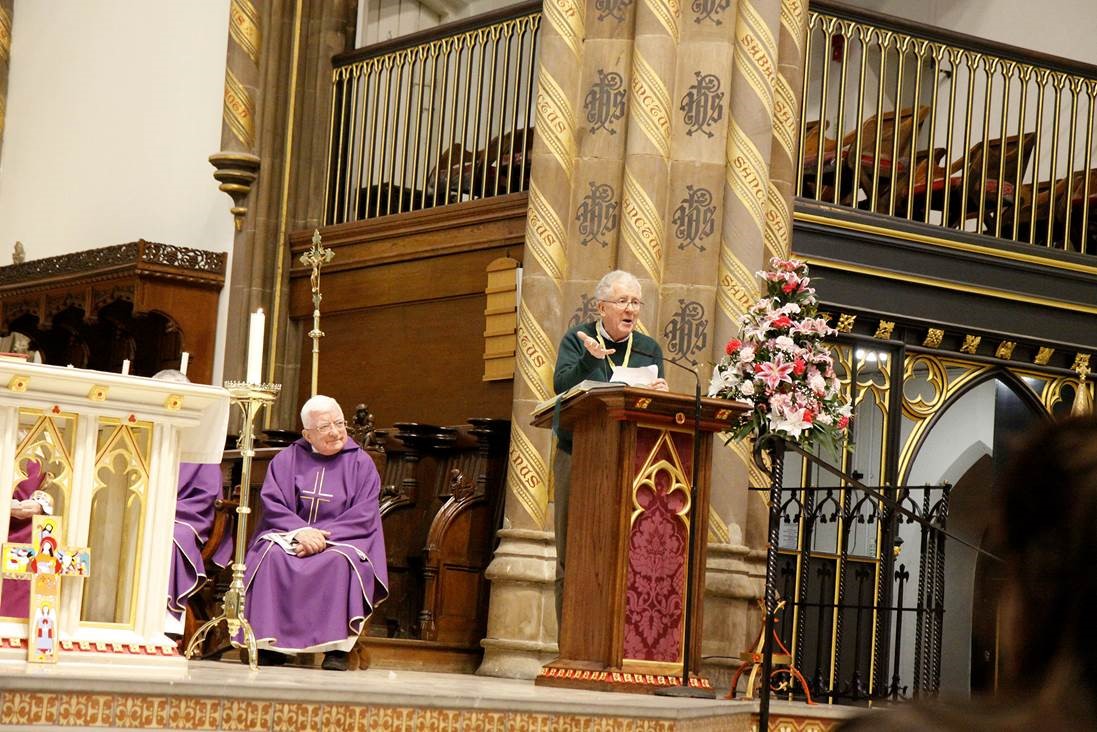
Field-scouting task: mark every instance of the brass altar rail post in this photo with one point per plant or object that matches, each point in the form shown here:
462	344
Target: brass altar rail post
251	398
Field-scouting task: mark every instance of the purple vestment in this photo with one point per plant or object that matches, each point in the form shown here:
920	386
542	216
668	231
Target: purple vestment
320	602
199	487
15	594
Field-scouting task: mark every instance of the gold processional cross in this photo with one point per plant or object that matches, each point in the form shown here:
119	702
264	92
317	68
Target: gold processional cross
317	496
44	562
316	257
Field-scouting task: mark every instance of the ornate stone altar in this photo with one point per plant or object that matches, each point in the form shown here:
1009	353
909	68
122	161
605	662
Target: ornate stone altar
110	447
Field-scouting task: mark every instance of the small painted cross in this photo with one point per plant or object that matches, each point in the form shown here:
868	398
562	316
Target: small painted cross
316	497
44	561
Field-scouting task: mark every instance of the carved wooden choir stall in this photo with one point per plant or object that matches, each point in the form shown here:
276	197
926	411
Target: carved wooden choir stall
141	301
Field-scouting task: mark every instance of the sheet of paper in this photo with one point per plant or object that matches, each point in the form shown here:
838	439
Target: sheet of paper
635	375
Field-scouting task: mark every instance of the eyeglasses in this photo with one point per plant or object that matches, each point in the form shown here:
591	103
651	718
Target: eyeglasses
331	426
625	303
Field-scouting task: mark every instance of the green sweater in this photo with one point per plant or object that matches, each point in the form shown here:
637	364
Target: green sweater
575	364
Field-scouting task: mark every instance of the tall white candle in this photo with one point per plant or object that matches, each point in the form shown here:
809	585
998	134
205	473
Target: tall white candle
125	367
255	347
184	361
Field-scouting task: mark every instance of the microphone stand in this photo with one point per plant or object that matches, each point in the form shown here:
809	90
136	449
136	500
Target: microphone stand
685	690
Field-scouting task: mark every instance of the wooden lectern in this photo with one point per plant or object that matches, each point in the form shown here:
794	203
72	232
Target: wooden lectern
623	624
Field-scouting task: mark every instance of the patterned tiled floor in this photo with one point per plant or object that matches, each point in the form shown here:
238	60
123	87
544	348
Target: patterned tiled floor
227	696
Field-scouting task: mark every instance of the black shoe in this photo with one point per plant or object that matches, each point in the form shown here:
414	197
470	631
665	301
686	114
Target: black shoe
272	658
335	661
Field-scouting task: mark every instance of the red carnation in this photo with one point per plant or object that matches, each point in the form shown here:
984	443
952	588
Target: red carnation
732	346
789	287
782	322
798	367
843	422
808	416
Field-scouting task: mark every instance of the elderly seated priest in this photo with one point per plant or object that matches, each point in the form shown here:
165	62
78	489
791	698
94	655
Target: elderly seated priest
316	566
592	352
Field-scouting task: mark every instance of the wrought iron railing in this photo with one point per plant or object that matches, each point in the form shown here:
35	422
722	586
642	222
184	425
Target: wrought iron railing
433	118
852	642
949	130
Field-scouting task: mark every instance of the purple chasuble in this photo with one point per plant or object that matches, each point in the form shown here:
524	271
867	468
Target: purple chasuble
320	602
15	594
199	487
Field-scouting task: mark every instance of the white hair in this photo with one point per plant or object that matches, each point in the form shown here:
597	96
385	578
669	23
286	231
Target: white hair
172	375
318	404
617	277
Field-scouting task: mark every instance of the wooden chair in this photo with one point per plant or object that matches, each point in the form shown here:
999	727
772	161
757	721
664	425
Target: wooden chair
1075	206
932	180
784	676
504	164
810	153
454	177
897	131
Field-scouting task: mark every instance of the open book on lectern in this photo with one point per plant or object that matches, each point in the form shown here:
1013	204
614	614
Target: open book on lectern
622	376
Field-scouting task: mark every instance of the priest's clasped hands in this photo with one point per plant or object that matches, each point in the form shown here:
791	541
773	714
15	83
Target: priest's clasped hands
310	541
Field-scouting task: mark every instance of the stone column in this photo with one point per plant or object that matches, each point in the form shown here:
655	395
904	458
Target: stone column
236	167
7	9
788	87
654	134
285	92
521	634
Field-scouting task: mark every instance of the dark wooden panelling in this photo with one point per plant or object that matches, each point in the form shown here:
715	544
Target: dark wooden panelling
419	362
403	311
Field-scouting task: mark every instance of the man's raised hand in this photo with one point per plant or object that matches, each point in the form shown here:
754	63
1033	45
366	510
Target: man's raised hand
594	347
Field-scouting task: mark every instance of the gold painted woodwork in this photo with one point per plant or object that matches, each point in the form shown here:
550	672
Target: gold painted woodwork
963	246
969	288
845	322
884	329
501	319
1043	355
933	339
970	344
98	394
1005	350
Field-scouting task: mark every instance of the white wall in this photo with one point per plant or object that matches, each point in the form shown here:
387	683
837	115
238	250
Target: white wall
1059	27
113	108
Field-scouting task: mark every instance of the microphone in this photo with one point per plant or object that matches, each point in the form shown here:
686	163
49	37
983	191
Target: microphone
685	690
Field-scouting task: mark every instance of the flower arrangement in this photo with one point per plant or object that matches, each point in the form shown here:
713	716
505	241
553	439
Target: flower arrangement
780	366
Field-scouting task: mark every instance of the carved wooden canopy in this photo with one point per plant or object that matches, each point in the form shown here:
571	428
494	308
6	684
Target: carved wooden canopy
159	300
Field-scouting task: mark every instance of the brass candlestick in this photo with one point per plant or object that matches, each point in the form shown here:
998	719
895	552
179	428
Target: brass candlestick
316	257
251	398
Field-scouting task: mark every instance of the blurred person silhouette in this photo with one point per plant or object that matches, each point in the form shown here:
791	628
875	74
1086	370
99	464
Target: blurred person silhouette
1046	529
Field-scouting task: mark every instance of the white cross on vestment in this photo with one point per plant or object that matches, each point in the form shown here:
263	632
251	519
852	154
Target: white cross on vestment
317	496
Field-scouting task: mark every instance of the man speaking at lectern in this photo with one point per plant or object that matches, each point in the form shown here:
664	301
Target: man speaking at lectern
589	352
